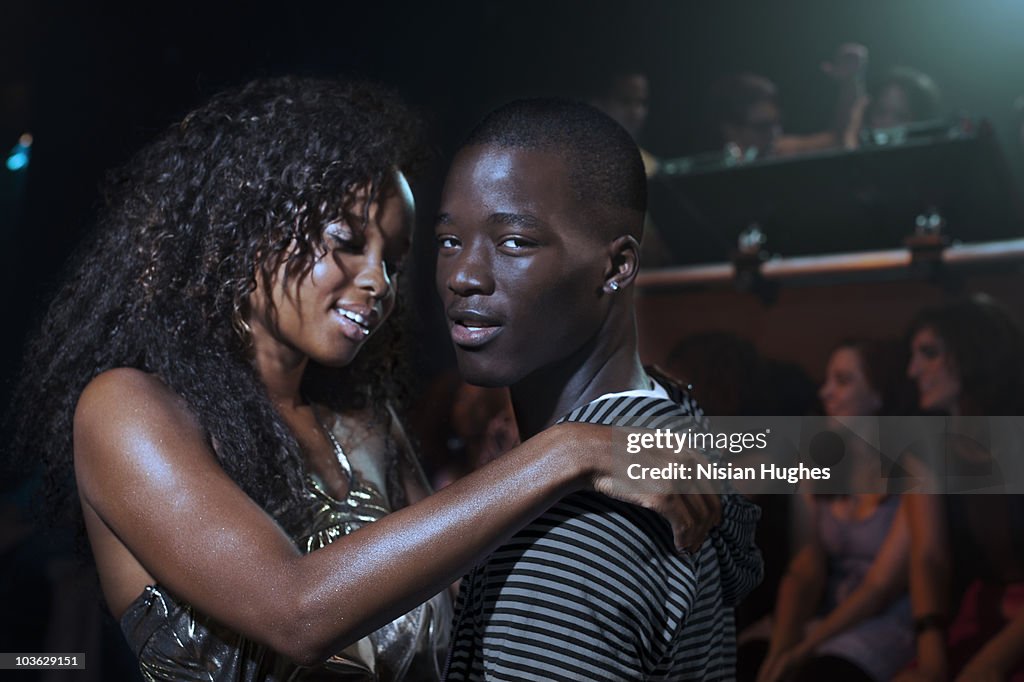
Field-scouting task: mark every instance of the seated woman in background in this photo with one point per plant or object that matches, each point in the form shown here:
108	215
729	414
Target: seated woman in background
967	558
848	573
199	397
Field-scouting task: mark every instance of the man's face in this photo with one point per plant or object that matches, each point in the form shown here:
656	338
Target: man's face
519	269
627	102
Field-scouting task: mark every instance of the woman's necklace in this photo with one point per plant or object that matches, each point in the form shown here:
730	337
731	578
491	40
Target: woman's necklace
339	452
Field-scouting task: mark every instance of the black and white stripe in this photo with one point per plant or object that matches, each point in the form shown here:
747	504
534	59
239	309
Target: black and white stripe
594	590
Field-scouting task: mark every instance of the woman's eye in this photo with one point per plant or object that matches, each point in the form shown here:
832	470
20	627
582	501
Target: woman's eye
342	241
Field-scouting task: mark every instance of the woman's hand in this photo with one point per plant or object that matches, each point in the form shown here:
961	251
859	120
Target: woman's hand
981	671
779	665
919	675
621	469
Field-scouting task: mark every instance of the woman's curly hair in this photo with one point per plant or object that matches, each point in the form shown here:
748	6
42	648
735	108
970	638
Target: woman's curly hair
985	343
249	179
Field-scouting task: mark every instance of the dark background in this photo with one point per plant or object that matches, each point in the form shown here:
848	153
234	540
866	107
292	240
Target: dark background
94	82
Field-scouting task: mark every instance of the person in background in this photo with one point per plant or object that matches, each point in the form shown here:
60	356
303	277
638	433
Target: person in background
624	94
967	561
905	95
842	611
747	114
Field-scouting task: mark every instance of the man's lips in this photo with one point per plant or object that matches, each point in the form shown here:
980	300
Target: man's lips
472	328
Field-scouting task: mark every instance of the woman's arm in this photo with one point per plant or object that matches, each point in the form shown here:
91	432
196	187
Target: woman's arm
146	472
847	69
929	579
799	593
801	586
1000	655
885	580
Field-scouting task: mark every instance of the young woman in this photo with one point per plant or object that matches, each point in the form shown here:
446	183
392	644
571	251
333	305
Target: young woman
850	566
200	399
967	561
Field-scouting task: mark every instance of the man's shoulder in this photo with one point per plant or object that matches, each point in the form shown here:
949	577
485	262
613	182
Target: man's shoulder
597	534
673	407
598	553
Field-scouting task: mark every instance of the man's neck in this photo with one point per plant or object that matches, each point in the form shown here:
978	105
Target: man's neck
606	365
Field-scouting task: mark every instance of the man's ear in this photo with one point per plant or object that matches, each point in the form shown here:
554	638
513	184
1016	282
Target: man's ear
623	263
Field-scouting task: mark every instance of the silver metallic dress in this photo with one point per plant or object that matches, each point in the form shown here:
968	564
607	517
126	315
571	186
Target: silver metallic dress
175	642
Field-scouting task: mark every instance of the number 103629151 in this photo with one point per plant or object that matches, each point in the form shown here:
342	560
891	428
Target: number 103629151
42	661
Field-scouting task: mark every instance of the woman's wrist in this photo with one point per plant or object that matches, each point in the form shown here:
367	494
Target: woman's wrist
590	447
566	452
805	647
931	653
928	622
783	642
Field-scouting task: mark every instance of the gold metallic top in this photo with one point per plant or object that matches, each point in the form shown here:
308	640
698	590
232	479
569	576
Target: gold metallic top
173	641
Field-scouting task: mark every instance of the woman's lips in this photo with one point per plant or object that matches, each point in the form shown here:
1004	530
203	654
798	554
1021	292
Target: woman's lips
356	325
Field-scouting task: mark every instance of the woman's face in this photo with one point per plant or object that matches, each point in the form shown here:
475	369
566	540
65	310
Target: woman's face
846	391
329	312
933	369
761	130
891	108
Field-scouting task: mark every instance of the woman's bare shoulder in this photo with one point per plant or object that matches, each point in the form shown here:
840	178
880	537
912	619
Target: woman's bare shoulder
124	410
128	394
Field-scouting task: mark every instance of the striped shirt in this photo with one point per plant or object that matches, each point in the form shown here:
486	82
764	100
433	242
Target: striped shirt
594	589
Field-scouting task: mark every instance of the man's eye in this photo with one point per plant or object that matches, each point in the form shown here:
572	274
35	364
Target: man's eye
516	243
445	241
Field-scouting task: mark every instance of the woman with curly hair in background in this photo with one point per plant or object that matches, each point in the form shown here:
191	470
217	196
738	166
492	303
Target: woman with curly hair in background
967	560
197	399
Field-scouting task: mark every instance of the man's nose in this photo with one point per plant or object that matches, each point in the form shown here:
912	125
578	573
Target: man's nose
470	272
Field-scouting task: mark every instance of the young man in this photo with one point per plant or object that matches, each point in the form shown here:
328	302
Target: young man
538	239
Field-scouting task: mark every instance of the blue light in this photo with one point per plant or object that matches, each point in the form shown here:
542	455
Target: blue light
17	160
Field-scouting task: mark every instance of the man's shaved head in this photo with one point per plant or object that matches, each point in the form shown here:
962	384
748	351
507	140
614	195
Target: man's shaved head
605	169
